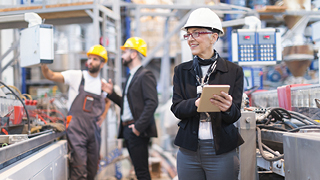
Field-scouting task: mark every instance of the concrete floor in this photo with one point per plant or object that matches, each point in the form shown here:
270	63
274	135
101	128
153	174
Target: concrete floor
127	171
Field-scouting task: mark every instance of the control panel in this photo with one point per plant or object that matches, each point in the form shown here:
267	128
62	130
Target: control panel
36	45
256	47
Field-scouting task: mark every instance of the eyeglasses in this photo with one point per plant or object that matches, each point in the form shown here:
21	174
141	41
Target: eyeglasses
195	34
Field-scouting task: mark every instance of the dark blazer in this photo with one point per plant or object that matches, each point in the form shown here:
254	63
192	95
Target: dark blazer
226	136
143	100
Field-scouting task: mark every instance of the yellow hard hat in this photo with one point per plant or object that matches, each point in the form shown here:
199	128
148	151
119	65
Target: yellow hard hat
136	43
99	51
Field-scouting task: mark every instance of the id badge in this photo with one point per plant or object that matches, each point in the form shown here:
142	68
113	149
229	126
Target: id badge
88	103
199	89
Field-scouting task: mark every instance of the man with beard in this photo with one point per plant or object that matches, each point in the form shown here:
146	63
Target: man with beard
138	103
87	109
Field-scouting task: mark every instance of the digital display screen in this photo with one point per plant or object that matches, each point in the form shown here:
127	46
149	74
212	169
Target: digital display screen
247	37
266	37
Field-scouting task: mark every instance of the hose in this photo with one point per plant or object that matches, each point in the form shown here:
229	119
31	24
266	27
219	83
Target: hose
264	116
290	124
24	106
28	95
260	144
272	127
13	87
304	117
305	127
277	114
301	119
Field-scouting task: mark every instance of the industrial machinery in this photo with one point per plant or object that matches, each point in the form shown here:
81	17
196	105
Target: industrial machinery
256	46
282	128
32	136
36	42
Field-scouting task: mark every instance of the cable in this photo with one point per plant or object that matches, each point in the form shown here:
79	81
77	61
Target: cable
55	111
13	87
304	117
270	150
23	98
28	95
301	119
264	116
261	149
272	127
305	127
278	114
43	114
41	118
24	106
289	124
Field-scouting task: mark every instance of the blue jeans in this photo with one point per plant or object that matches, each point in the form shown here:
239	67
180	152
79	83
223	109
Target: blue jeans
204	164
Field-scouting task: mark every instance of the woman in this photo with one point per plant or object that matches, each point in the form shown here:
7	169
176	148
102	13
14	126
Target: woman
207	141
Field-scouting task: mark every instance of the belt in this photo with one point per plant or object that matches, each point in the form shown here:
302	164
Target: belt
126	123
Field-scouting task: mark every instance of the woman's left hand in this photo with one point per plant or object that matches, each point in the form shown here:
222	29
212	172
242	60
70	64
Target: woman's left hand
223	101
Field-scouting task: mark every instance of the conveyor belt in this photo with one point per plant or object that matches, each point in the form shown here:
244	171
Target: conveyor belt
14	152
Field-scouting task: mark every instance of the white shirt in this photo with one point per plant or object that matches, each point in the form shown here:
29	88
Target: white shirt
205	128
127	115
73	79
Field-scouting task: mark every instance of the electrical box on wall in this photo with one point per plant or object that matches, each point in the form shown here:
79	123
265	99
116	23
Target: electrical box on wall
256	46
36	45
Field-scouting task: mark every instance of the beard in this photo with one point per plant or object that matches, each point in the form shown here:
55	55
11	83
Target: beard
126	63
94	69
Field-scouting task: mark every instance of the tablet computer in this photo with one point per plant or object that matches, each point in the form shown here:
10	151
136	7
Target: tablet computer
207	93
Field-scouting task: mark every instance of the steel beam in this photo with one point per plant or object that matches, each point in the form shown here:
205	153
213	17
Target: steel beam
166	39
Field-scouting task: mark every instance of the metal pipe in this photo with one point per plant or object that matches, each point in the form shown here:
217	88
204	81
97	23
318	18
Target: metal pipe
165	68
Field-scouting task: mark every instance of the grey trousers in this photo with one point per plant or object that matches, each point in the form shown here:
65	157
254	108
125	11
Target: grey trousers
206	165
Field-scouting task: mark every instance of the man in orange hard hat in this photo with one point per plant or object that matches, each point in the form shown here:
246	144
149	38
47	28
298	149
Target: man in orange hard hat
87	108
138	103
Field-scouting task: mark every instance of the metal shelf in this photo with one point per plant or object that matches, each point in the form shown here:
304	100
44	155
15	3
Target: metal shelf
40	82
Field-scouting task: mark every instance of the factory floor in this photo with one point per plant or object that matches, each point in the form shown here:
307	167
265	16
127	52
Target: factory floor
126	171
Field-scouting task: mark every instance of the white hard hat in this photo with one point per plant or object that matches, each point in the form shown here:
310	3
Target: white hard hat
203	17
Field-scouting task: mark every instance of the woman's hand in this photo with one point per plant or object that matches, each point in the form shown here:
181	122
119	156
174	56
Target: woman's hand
197	102
223	101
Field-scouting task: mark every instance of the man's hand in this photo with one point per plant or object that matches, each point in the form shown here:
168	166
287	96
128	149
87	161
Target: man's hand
223	101
100	120
104	114
134	130
107	86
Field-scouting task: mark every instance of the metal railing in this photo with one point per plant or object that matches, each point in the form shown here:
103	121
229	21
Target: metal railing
45	3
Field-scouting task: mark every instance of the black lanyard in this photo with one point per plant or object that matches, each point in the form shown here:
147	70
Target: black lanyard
207	77
197	61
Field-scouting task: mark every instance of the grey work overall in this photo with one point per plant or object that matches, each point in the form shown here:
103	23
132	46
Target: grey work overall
84	134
